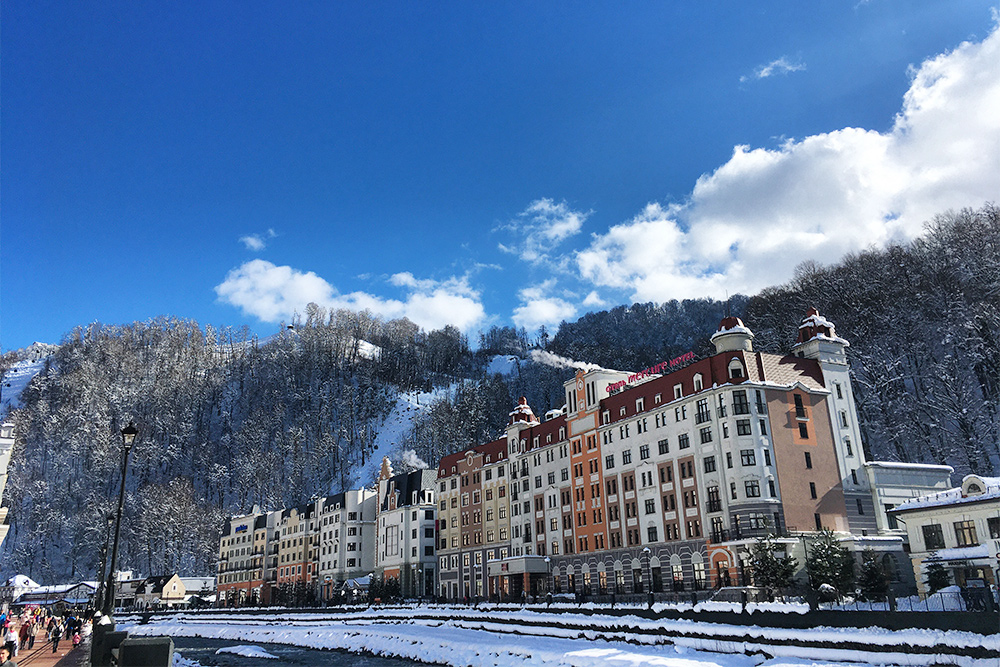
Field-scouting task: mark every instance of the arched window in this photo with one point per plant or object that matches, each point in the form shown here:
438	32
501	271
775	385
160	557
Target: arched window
736	370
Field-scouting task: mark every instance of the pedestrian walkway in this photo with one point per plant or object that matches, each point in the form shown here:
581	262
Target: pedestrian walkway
66	656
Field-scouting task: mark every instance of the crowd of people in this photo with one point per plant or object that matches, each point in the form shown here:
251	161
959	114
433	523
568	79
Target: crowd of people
20	632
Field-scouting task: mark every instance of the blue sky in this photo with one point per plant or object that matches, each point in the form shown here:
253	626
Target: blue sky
469	163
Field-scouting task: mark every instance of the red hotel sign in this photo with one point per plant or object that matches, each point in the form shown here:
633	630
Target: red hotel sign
652	370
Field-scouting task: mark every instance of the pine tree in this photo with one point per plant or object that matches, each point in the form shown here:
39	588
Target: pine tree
937	574
872	579
829	562
771	572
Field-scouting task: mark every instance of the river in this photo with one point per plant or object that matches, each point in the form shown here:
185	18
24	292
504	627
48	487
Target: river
203	651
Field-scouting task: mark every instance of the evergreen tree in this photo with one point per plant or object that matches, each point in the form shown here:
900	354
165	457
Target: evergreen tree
937	574
829	562
770	571
872	579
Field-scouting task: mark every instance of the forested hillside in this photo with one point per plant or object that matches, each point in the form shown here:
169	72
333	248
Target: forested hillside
924	324
228	421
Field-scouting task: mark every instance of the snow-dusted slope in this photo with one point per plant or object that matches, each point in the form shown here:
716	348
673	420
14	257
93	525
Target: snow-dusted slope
17	378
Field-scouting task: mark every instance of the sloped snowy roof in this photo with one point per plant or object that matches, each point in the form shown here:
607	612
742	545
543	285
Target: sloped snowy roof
22	581
955	496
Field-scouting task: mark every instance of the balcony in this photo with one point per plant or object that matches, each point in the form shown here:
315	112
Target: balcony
702	417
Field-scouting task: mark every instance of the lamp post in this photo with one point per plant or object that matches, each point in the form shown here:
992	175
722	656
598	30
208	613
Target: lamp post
128	439
104	563
649	573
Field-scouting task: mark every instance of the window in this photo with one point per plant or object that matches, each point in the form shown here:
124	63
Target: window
702	414
747	457
705	434
714	501
809	460
651	534
644	452
804	431
993	525
627	457
740	404
743	427
725	429
847	444
812	490
840	392
729	460
861	507
843	418
709	464
800	408
735	369
767	457
650	506
752	488
933	536
965	533
763	426
664	446
683	442
678	391
732	490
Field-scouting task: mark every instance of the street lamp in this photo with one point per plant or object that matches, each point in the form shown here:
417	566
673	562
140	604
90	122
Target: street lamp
104	563
128	439
649	571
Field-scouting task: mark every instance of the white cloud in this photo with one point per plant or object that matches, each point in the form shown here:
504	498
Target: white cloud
782	65
538	307
273	293
751	221
256	242
253	242
594	300
540	228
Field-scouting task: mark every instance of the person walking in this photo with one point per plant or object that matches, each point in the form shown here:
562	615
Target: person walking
55	636
32	629
22	633
10	639
5	658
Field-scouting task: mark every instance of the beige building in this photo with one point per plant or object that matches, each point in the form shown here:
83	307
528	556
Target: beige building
958	528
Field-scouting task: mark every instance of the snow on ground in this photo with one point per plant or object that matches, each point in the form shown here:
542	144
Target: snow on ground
497	638
248	652
503	364
18	376
396	425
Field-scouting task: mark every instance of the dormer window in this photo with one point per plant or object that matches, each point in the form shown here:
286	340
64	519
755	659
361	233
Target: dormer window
621	412
562	432
973	489
698	382
736	370
658	398
678	391
640	404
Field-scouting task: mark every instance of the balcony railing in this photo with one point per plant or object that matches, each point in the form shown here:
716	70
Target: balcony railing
734	534
702	417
